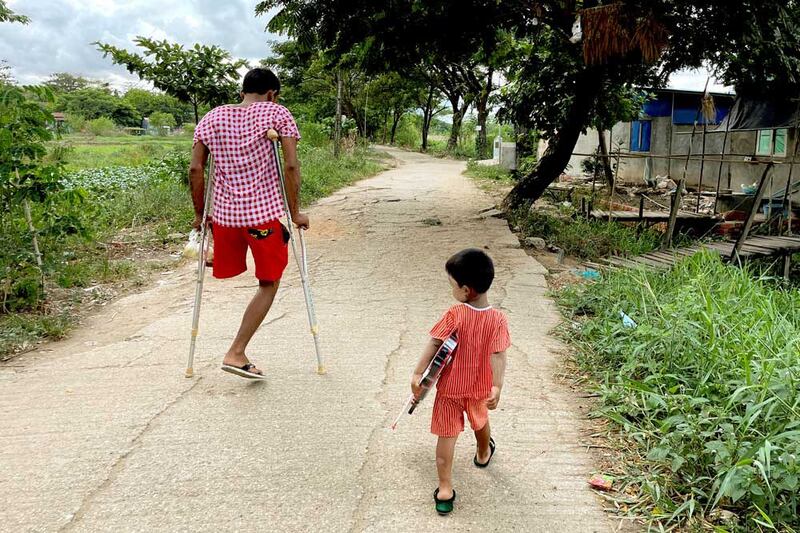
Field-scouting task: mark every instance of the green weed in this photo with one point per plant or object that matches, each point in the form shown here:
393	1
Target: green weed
706	388
20	330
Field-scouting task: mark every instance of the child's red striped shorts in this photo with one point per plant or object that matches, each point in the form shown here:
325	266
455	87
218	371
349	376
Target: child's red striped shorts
448	415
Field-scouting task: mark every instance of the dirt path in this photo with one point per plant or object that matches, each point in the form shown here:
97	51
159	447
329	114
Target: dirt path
103	432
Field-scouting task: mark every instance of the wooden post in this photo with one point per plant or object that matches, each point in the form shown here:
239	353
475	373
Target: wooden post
641	208
787	195
673	212
614	185
787	266
752	215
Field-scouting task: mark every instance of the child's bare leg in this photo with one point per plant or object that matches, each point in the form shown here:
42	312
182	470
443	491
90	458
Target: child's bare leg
445	449
482	437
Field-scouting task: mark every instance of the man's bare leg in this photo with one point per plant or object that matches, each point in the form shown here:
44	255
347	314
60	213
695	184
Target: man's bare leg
253	317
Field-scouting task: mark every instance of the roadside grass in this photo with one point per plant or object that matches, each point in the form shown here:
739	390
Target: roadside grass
493	173
130	214
705	391
323	173
584	239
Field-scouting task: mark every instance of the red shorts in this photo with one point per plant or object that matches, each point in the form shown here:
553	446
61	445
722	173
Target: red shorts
267	242
448	415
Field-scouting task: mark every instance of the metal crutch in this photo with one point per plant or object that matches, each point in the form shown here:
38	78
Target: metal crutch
201	266
302	260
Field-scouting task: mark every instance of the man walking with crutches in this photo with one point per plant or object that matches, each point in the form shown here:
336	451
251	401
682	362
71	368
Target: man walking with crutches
248	201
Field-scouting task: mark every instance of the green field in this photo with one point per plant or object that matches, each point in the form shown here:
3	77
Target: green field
129	210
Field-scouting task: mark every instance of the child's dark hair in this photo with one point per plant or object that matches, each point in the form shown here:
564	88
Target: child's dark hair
260	81
472	268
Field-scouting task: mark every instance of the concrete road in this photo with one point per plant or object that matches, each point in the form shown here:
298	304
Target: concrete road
103	433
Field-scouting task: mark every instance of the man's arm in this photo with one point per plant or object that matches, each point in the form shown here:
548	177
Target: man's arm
197	181
498	373
291	169
427	354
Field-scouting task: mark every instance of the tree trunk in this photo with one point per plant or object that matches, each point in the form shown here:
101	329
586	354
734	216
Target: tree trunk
395	122
605	161
385	135
482	105
458	118
559	150
427	118
196	114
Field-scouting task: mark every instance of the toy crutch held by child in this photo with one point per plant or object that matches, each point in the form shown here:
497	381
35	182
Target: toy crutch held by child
442	358
202	249
302	259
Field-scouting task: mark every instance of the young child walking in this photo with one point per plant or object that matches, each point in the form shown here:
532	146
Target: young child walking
472	383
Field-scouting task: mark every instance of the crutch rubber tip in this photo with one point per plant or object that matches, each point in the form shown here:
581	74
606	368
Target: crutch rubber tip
321	370
189	372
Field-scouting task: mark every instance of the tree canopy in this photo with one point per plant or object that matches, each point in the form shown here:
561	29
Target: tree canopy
197	75
559	86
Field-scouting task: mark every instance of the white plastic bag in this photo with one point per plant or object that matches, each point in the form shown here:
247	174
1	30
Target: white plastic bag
192	248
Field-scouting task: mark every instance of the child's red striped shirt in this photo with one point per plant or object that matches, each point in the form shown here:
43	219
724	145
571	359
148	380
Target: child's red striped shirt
481	333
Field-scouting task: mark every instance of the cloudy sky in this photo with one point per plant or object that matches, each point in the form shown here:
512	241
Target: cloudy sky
59	35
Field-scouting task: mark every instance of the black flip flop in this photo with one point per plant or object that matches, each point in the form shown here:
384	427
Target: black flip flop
243	371
492	447
443	507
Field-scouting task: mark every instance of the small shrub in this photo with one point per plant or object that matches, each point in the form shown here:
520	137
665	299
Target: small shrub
162	122
101	127
488	172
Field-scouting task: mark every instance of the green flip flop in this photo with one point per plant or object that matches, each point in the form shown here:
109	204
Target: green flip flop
492	447
443	507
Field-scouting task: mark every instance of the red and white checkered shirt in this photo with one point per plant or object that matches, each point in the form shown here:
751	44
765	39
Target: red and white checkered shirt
247	189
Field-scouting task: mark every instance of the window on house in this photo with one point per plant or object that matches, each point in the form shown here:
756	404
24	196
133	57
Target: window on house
771	142
640	135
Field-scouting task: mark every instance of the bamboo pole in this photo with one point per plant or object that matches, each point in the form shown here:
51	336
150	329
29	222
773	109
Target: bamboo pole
702	167
719	173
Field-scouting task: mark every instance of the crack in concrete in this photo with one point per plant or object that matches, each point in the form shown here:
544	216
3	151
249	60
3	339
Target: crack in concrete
119	464
382	396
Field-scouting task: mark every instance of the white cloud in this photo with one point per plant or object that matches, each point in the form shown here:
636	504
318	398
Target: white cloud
695	80
60	34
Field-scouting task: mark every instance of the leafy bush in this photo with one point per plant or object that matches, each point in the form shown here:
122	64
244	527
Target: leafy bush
75	123
706	387
101	127
314	134
408	134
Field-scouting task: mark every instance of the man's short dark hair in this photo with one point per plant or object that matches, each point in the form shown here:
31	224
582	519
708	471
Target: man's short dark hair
472	268
260	81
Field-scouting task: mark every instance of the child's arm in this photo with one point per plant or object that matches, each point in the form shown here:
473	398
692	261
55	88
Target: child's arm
498	373
427	354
